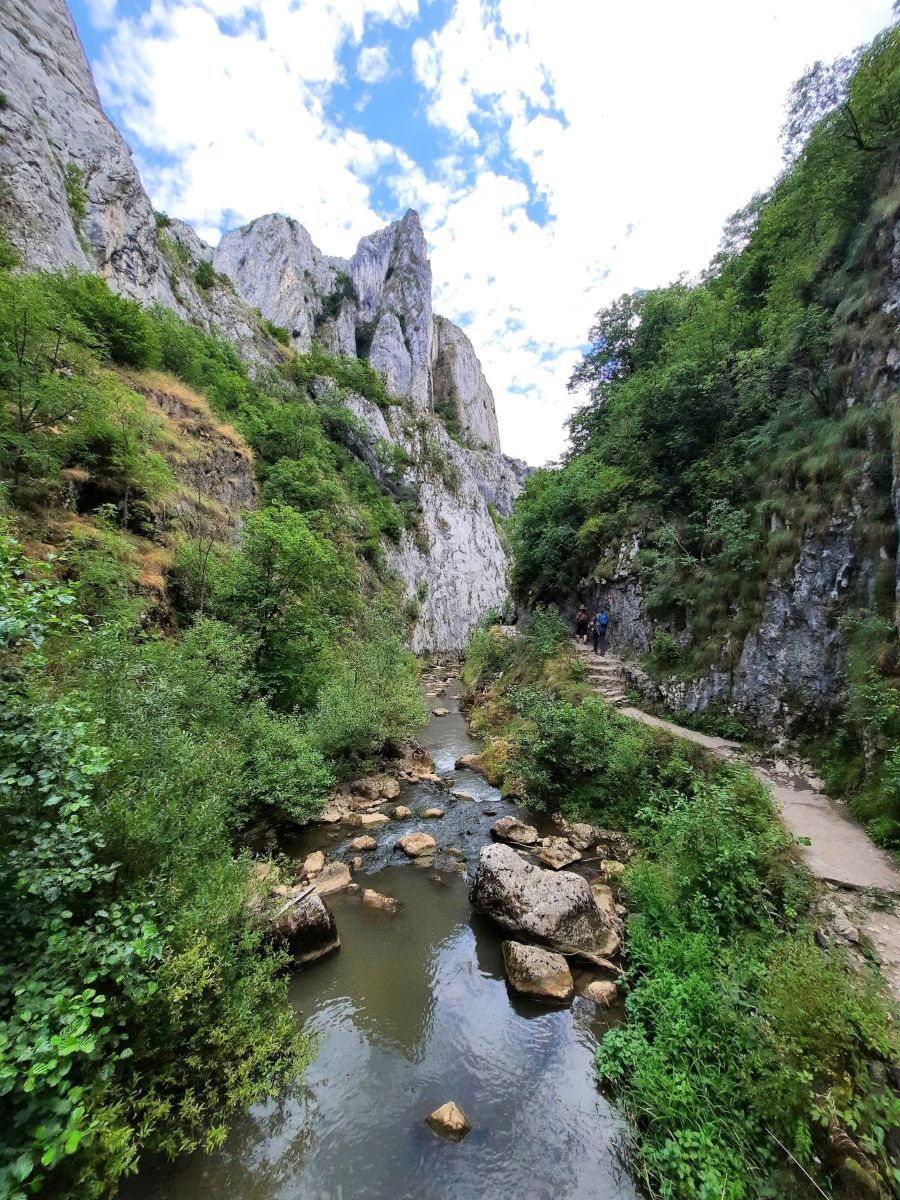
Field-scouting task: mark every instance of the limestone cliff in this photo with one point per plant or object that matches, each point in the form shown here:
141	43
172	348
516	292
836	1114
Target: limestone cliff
71	195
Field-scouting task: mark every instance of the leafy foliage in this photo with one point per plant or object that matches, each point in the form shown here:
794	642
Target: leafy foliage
745	1046
730	419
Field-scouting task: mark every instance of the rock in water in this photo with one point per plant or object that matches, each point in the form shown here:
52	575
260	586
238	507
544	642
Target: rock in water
556	909
472	762
603	992
363	843
313	864
333	878
440	712
369	819
580	835
401	812
510	829
533	971
557	853
415	845
449	1121
307	929
434	813
373	899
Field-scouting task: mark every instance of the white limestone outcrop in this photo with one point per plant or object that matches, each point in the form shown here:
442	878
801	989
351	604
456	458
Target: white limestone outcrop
71	196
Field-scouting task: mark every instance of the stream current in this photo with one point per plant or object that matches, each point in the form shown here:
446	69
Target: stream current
414	1011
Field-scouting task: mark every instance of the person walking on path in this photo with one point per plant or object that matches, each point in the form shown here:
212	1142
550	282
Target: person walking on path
600	624
581	623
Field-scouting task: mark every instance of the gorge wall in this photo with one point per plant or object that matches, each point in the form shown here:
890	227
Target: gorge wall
70	195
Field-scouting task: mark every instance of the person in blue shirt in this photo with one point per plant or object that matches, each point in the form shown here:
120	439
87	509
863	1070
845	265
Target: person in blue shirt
599	626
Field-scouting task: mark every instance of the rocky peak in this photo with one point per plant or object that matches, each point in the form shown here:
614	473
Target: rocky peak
274	264
71	195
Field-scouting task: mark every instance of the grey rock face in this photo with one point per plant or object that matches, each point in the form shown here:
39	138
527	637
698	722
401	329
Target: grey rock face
557	909
459	382
378	302
275	267
789	672
52	123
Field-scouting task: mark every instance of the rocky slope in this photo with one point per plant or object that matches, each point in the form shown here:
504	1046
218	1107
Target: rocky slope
71	195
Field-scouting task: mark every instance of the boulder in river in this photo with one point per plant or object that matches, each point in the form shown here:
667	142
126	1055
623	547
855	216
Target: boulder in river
367	788
415	845
306	927
556	853
440	712
510	829
373	899
333	878
401	812
364	842
472	762
580	834
367	820
536	972
432	812
313	864
389	788
556	909
449	1121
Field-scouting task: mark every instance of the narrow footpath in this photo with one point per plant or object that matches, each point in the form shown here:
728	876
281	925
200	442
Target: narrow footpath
861	882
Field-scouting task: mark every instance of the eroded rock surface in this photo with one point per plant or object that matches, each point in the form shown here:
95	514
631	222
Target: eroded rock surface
511	829
536	972
556	909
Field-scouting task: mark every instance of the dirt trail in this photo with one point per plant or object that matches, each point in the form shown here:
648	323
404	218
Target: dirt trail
862	884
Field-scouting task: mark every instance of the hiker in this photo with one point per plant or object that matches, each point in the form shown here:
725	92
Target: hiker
581	623
600	625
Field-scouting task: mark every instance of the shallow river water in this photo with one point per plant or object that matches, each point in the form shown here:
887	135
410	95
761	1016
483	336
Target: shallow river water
411	1012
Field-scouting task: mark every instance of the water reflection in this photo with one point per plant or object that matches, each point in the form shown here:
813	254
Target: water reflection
412	1012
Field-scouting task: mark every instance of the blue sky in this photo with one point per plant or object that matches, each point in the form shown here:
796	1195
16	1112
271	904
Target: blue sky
559	152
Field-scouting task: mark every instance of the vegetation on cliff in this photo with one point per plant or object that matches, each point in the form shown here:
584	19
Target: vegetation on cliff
177	675
750	1059
731	418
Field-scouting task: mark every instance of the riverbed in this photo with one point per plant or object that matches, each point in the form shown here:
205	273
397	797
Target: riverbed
414	1011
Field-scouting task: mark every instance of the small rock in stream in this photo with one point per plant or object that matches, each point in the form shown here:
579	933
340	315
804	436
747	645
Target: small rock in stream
373	899
415	845
510	829
440	712
556	853
365	842
401	812
603	992
541	974
434	813
333	878
313	864
449	1121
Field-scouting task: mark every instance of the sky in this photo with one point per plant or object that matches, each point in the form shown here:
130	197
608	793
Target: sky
558	152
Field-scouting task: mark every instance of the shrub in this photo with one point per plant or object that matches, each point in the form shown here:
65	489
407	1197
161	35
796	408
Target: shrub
372	697
76	196
204	275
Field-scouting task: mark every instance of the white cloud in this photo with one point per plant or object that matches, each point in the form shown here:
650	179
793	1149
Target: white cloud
641	127
373	64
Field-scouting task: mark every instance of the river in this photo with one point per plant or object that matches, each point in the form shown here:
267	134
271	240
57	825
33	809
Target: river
414	1011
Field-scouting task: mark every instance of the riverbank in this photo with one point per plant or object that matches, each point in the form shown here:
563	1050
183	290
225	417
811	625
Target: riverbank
412	1011
753	1060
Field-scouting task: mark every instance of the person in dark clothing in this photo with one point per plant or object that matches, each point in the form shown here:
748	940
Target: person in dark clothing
581	623
600	626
